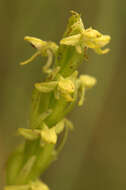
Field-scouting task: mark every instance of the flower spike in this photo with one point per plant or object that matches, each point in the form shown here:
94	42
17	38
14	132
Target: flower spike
52	99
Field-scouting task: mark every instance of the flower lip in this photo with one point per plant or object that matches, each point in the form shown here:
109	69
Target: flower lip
95	38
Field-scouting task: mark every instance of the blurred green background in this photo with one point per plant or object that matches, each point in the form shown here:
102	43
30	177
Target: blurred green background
95	154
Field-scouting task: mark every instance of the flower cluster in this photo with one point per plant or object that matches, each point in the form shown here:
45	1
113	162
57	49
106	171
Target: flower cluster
52	99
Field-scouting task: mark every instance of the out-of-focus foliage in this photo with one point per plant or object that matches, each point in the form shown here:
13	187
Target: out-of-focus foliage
94	156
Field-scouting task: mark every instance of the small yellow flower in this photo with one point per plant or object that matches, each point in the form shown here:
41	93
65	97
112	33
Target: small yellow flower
89	38
48	135
43	48
95	40
66	86
85	82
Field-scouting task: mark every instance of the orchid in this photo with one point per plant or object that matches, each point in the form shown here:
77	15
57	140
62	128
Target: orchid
52	100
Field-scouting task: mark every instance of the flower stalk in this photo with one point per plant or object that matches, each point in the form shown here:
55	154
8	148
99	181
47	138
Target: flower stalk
52	100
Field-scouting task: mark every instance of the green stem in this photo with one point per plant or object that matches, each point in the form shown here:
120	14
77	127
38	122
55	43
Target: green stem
43	158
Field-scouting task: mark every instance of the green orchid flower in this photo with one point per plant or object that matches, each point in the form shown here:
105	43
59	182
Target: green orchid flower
89	38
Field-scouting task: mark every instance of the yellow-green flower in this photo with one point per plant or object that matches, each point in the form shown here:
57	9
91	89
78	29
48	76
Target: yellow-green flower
43	48
89	38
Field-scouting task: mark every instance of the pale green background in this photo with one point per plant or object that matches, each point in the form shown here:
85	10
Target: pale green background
94	157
